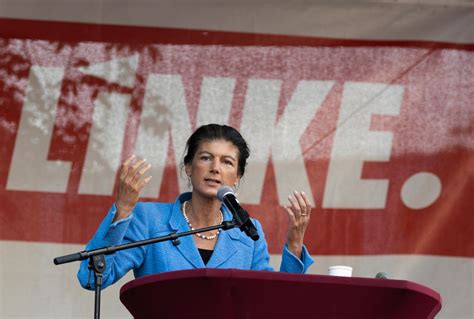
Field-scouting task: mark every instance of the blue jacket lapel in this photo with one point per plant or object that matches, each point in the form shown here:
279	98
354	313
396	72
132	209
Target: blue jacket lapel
225	249
187	247
225	246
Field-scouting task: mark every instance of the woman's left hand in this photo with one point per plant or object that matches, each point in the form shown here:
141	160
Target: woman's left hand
299	212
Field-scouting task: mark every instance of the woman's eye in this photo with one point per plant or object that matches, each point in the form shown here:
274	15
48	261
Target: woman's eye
227	162
205	157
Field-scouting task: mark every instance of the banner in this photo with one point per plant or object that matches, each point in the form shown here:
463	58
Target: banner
379	134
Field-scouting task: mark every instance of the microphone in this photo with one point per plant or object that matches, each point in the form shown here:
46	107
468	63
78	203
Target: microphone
241	218
381	275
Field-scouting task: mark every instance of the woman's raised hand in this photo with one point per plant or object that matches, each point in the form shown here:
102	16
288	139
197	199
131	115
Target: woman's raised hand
131	182
299	213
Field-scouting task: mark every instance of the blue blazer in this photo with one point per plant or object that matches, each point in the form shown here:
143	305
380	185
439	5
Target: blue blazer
151	219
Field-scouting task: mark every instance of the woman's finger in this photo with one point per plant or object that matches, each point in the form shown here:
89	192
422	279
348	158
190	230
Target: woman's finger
129	160
308	204
133	171
291	214
295	206
126	166
141	172
301	203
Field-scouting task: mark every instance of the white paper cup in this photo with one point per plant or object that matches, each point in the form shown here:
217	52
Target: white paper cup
343	271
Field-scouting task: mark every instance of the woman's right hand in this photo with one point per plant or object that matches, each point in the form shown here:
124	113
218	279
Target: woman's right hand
131	182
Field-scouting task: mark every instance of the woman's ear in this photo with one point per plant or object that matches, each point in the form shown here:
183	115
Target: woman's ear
237	181
187	169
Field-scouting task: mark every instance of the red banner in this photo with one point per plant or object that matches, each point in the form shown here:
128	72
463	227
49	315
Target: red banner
380	134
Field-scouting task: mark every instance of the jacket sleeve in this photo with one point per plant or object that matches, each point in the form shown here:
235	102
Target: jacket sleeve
289	262
260	258
120	232
293	264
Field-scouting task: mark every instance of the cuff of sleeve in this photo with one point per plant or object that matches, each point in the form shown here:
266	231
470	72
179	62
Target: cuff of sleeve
293	264
116	230
110	234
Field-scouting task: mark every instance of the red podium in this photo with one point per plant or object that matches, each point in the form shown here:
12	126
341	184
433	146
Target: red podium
232	293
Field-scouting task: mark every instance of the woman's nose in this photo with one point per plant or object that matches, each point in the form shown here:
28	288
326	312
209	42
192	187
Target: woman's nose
215	167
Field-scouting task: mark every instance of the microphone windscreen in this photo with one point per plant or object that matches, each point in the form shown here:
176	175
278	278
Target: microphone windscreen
381	275
224	190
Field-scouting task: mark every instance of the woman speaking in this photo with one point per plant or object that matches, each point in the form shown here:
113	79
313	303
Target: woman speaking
216	156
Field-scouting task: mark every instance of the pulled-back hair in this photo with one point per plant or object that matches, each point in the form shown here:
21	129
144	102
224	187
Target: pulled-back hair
212	132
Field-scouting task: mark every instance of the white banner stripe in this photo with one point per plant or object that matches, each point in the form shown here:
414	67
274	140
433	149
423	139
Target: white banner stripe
29	277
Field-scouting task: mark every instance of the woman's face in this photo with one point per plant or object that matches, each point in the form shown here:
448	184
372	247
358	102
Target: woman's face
215	164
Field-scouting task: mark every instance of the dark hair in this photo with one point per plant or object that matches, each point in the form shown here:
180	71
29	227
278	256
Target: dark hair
211	132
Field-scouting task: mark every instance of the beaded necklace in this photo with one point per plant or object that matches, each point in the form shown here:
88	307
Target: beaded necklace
192	228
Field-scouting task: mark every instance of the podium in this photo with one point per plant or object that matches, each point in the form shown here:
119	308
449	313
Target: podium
232	294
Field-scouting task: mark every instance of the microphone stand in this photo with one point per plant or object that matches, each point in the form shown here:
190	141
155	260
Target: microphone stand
97	256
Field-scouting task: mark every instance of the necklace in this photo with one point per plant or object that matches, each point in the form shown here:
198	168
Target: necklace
192	228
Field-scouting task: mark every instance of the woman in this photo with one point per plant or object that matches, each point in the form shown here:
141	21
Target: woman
216	156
